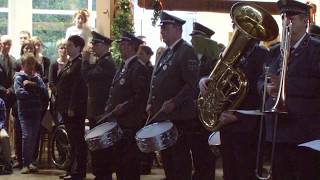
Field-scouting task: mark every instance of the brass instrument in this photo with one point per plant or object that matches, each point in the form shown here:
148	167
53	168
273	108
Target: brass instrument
280	103
228	84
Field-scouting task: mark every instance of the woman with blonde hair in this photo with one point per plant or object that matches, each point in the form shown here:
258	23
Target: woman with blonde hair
80	27
43	62
59	64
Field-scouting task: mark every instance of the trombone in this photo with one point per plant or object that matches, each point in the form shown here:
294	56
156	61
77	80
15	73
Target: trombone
280	103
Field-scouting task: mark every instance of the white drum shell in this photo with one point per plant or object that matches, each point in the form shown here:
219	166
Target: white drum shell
103	136
158	140
214	139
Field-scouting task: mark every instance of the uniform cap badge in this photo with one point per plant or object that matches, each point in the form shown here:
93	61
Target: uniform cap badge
122	81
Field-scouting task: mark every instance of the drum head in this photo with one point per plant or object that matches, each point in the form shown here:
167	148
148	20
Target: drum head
154	129
214	139
100	130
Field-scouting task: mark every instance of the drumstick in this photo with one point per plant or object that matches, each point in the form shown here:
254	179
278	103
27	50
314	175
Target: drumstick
154	116
109	114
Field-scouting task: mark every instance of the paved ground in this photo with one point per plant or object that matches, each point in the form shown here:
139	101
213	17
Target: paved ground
53	174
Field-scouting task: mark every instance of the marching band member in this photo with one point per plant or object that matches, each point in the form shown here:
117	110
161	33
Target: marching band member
98	77
127	99
208	53
173	90
301	123
240	133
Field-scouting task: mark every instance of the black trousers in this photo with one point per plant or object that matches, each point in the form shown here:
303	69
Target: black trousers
75	130
176	160
295	163
202	156
17	135
102	161
127	159
238	150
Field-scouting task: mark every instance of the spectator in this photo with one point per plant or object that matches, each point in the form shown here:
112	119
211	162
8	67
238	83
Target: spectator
8	68
43	62
29	88
159	52
80	27
71	103
54	70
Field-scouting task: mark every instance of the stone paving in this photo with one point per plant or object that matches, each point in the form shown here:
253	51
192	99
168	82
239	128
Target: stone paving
53	174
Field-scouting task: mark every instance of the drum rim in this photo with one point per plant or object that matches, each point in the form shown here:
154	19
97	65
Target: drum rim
210	137
100	125
153	124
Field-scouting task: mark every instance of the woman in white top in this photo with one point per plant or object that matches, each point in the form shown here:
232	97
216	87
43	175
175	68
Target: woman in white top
80	27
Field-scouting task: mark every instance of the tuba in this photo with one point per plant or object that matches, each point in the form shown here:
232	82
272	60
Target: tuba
228	84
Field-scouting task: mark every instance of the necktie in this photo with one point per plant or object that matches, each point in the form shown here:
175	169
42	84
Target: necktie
164	56
8	65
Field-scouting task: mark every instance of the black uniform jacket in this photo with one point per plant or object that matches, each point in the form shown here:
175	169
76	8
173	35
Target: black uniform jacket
302	123
175	79
252	67
71	89
7	72
98	78
130	85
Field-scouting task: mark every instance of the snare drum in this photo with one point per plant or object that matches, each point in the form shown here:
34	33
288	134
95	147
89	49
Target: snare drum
214	139
157	136
103	136
214	142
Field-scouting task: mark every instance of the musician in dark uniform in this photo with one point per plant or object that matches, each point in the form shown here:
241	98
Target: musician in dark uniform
301	123
71	103
239	135
314	30
98	77
173	91
127	100
144	54
203	158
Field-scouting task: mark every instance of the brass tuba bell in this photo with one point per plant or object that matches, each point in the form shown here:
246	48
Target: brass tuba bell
228	84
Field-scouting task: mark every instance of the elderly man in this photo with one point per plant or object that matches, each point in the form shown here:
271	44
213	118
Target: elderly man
8	67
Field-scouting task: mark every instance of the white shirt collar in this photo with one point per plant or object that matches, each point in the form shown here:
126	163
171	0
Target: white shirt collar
174	44
127	61
299	42
199	55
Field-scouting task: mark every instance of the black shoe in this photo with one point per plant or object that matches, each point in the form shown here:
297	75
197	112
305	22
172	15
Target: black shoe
17	165
68	177
73	177
145	171
64	175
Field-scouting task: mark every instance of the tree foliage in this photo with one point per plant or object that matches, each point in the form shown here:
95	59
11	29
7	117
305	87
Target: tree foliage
123	21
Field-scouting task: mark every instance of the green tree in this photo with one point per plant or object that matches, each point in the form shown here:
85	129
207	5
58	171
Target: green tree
122	22
50	28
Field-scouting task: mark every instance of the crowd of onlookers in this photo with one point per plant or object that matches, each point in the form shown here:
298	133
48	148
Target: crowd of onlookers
29	83
25	83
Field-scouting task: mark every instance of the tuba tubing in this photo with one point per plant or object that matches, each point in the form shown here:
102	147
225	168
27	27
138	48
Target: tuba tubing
228	85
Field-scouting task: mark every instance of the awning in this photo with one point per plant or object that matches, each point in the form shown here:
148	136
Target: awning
221	6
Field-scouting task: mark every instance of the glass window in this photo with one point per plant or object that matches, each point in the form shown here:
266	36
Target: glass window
94	5
3	3
3	23
62	5
50	28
